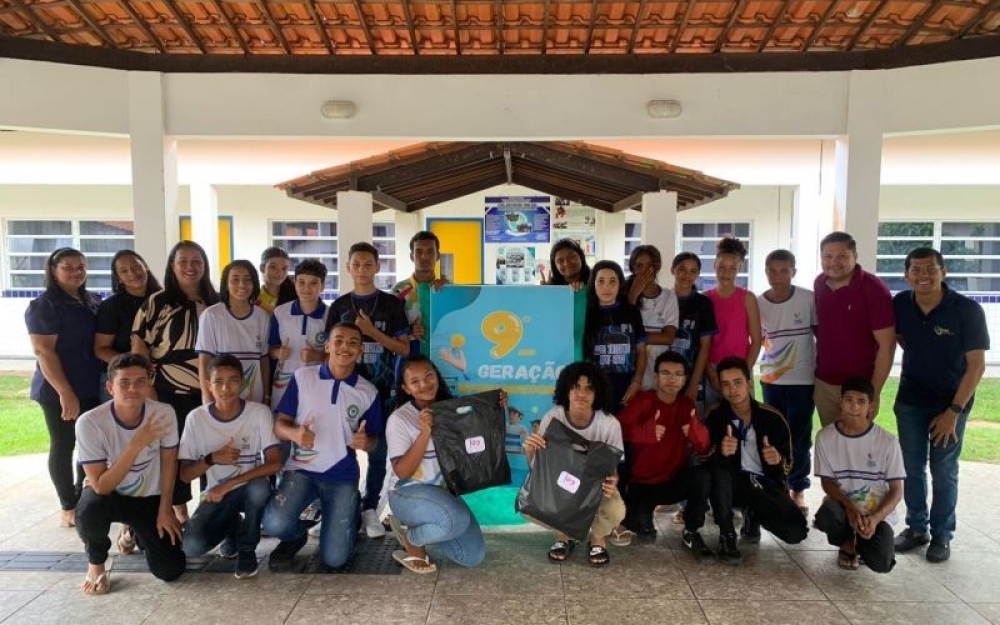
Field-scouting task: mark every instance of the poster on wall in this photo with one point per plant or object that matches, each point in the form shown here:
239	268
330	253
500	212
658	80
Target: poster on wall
577	222
516	265
484	337
517	219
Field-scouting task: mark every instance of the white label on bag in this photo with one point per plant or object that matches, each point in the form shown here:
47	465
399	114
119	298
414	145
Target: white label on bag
568	482
475	445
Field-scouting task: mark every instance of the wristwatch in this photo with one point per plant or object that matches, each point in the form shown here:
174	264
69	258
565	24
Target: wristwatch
207	459
956	408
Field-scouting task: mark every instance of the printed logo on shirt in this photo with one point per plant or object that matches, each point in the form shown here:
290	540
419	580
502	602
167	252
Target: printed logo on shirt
942	331
319	339
568	482
353	412
475	445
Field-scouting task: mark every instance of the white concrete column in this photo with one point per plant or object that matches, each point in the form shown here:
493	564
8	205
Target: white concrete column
858	164
807	206
659	228
407	225
205	224
154	169
610	236
354	225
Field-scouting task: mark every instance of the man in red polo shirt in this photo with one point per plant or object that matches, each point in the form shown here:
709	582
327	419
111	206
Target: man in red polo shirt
857	326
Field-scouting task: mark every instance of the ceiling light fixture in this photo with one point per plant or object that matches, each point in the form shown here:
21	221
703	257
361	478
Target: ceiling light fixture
338	109
663	109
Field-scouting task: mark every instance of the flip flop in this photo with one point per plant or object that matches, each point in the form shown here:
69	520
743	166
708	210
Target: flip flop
100	585
621	538
410	562
848	561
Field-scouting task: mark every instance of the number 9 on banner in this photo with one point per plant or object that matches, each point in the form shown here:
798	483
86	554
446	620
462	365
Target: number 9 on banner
504	330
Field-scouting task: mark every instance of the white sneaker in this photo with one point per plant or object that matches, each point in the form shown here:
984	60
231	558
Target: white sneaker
315	530
371	524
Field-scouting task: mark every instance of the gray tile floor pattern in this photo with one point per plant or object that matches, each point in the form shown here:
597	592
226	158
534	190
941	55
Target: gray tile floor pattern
655	583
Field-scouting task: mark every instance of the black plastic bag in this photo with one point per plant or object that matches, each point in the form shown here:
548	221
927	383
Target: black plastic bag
564	486
468	434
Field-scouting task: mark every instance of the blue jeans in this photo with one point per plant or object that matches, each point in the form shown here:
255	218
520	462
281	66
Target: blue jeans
339	502
795	402
215	520
913	423
375	475
434	516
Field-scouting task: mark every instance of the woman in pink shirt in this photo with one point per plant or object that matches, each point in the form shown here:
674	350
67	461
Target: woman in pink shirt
736	314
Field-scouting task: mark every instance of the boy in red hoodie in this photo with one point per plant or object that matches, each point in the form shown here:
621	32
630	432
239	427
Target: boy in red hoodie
662	426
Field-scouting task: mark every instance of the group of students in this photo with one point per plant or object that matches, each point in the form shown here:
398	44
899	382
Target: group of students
235	387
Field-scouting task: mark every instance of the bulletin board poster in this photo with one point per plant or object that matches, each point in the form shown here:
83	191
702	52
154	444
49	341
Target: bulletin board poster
576	222
515	338
516	265
517	219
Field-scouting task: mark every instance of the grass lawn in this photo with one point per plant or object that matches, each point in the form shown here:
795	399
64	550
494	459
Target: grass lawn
22	427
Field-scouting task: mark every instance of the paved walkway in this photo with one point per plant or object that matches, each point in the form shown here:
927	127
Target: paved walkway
657	583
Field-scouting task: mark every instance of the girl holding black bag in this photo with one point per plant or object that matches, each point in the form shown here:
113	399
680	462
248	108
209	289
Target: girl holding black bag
423	511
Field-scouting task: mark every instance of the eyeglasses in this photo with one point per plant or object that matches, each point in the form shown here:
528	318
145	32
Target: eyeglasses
136	383
671	375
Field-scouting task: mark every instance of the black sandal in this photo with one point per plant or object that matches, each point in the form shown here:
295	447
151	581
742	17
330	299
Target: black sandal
848	561
561	549
598	556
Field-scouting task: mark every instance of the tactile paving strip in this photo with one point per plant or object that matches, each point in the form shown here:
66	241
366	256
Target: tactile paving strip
371	557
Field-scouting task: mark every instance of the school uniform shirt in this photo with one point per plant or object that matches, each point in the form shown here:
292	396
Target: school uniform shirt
861	465
251	430
603	428
335	409
658	313
387	313
246	338
171	331
115	316
289	323
102	439
696	318
658	461
788	356
400	432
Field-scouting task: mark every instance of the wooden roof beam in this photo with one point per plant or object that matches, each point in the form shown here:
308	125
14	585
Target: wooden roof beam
590	27
454	24
388	201
919	21
545	27
774	25
36	21
100	32
721	41
985	10
364	26
185	25
680	29
273	24
229	24
635	29
820	26
501	44
321	26
864	26
414	44
142	25
455	192
588	167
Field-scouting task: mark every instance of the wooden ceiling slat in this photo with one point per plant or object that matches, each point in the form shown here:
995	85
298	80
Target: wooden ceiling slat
639	16
774	25
440	198
590	27
920	21
38	22
185	25
545	26
985	10
454	24
364	26
501	41
142	25
862	30
683	25
265	12
408	16
229	24
94	27
823	20
320	26
724	35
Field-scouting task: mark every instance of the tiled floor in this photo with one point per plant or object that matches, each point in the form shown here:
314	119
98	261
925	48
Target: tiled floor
657	583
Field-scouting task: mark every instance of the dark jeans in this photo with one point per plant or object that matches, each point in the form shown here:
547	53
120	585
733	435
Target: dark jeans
795	402
690	483
182	405
769	503
878	552
215	520
95	514
375	475
62	442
